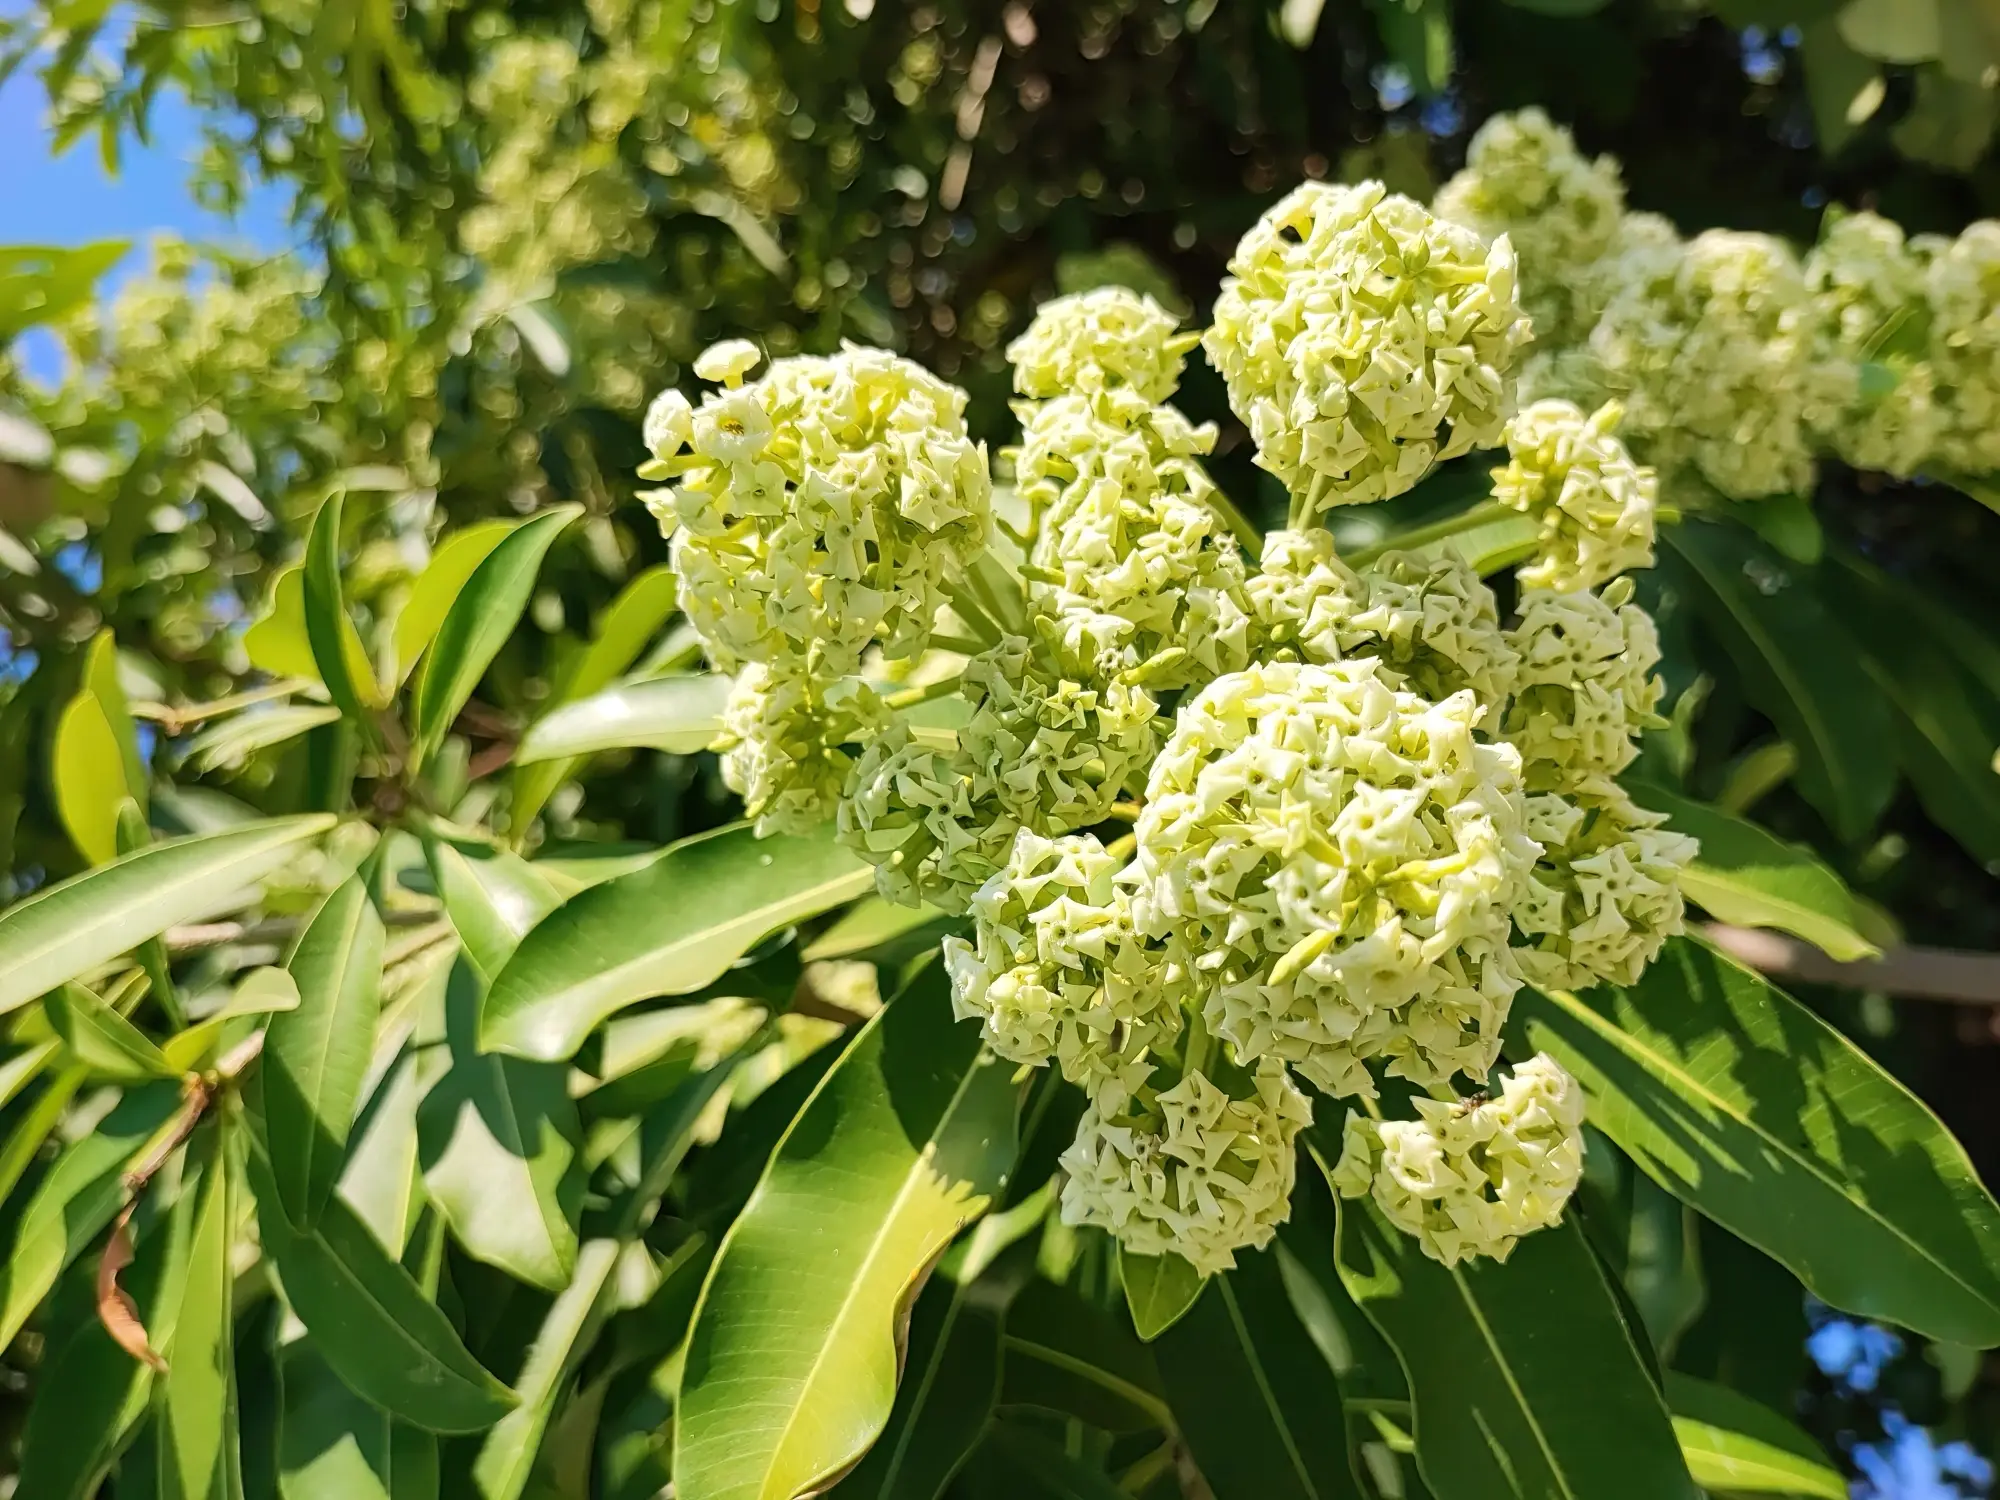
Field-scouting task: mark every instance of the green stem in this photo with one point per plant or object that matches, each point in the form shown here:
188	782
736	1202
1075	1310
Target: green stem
1251	538
944	687
965	604
1422	536
1196	1053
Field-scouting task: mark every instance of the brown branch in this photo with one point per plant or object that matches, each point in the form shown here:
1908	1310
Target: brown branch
1951	974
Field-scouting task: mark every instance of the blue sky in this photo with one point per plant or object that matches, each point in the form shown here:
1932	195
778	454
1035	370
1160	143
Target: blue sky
71	200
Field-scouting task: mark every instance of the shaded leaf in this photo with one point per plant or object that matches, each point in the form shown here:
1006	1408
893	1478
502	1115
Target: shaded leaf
951	1379
1258	1406
382	1182
477	625
316	1054
200	1458
77	1199
1066	1357
1795	659
670	928
1752	878
103	1041
90	919
369	1319
1021	1464
790	1370
682	715
1743	1103
1524	1376
507	1457
335	1446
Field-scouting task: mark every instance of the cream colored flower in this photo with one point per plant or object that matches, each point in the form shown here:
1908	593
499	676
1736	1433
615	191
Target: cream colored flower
1363	340
1100	340
1585	686
786	743
1877	407
1335	861
1468	1177
1594	505
728	361
1963	287
1196	1173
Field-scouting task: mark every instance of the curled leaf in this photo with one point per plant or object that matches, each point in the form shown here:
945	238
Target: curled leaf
115	1307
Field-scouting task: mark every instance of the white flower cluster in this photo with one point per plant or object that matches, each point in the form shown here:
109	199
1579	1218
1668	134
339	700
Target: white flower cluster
1469	1177
1363	341
1595	505
819	509
1738	364
1524	178
1131	549
1363	807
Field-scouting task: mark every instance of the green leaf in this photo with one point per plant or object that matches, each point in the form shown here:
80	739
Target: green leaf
790	1371
1744	1104
1752	878
200	1456
1896	31
1566	9
369	1319
1947	720
1021	1464
1066	1357
477	625
1159	1290
624	628
335	1446
381	1181
498	1137
1789	524
681	714
89	778
1257	1404
277	642
32	1130
316	1055
1524	1377
92	1394
102	1040
40	284
339	659
1735	1446
507	1457
100	680
232	741
443	579
90	919
260	992
951	1379
494	899
77	1199
668	929
1797	663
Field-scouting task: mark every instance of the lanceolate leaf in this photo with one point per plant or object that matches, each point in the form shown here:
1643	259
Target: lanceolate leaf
1524	1377
89	778
1752	878
494	899
1735	1446
369	1319
439	585
678	714
77	1199
316	1055
100	680
498	1137
92	1393
1257	1404
670	928
235	739
100	1039
791	1366
1798	663
89	920
951	1378
477	626
381	1181
1159	1290
507	1457
199	1454
339	658
336	1446
1741	1102
277	642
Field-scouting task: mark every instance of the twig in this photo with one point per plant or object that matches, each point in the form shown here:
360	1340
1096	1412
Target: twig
1952	974
197	935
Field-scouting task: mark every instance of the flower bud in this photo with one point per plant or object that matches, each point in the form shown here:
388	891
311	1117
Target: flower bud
1594	505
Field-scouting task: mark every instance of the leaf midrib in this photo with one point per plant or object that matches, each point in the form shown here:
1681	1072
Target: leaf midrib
1805	1471
1513	1386
1269	1396
320	1040
919	1168
1626	1042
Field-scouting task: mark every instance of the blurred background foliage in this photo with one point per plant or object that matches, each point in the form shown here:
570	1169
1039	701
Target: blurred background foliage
515	223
